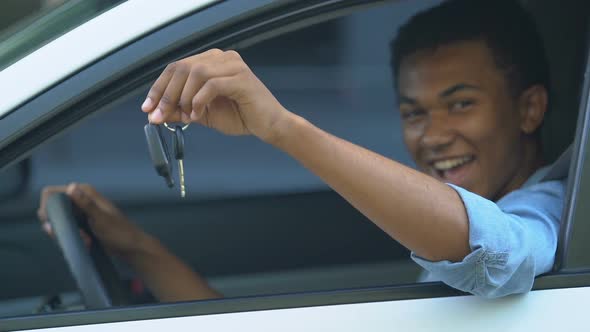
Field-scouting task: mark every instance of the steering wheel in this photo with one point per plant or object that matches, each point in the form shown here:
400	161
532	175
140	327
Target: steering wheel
92	269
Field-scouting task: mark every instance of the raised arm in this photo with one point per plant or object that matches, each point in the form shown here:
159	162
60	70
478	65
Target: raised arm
423	214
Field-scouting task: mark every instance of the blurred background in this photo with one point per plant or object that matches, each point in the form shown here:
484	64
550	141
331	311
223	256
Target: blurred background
13	12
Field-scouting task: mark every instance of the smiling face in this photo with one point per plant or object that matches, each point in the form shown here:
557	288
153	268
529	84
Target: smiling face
462	125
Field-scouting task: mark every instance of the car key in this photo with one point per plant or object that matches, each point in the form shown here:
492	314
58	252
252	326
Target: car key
159	152
179	155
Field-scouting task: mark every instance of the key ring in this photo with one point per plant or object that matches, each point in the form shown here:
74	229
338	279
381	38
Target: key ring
174	129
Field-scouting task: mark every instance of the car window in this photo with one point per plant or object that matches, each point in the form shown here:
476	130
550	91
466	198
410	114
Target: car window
29	24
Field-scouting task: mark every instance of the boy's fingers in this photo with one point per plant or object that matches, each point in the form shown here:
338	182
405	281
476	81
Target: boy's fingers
157	89
45	193
86	239
224	65
47	228
168	104
170	92
215	87
85	201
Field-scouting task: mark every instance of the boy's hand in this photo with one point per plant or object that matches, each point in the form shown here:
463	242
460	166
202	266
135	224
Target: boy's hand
218	90
115	231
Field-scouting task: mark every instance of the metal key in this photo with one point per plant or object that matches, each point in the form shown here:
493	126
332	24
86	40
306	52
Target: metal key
159	152
179	155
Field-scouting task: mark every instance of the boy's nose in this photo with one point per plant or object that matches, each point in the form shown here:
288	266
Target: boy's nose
437	133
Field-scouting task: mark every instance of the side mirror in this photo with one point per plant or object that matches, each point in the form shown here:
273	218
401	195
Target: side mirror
14	179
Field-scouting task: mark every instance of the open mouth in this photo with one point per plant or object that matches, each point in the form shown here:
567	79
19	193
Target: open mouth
449	169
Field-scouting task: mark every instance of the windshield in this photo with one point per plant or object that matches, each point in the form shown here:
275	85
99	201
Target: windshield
28	25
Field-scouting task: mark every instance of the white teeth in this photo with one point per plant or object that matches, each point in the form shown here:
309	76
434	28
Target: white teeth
444	165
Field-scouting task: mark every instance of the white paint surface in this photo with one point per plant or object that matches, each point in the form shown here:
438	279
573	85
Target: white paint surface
549	310
85	44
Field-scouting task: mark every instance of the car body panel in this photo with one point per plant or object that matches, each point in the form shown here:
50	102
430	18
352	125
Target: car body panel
535	311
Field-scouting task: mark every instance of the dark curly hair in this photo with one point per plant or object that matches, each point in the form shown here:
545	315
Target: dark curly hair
509	31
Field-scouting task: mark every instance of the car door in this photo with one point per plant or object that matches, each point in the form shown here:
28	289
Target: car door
361	302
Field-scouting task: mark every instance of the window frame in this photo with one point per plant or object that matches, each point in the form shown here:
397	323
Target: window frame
226	23
573	228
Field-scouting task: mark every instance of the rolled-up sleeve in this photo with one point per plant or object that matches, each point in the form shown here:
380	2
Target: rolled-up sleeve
511	241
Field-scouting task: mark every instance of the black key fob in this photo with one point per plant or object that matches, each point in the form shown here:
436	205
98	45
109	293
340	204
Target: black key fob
159	152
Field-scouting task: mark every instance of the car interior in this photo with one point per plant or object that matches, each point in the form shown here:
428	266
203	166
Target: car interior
254	221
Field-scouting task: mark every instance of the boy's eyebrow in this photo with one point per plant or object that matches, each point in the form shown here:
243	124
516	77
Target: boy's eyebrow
446	93
407	100
456	88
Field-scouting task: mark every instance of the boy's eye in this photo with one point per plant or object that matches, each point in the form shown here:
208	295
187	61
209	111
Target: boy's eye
409	115
461	105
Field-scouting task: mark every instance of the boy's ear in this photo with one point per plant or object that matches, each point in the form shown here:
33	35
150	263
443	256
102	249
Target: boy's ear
533	105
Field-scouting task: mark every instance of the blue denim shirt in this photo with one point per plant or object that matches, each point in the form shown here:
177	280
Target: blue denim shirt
512	240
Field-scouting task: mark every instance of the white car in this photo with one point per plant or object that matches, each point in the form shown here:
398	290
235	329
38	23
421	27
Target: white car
256	224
